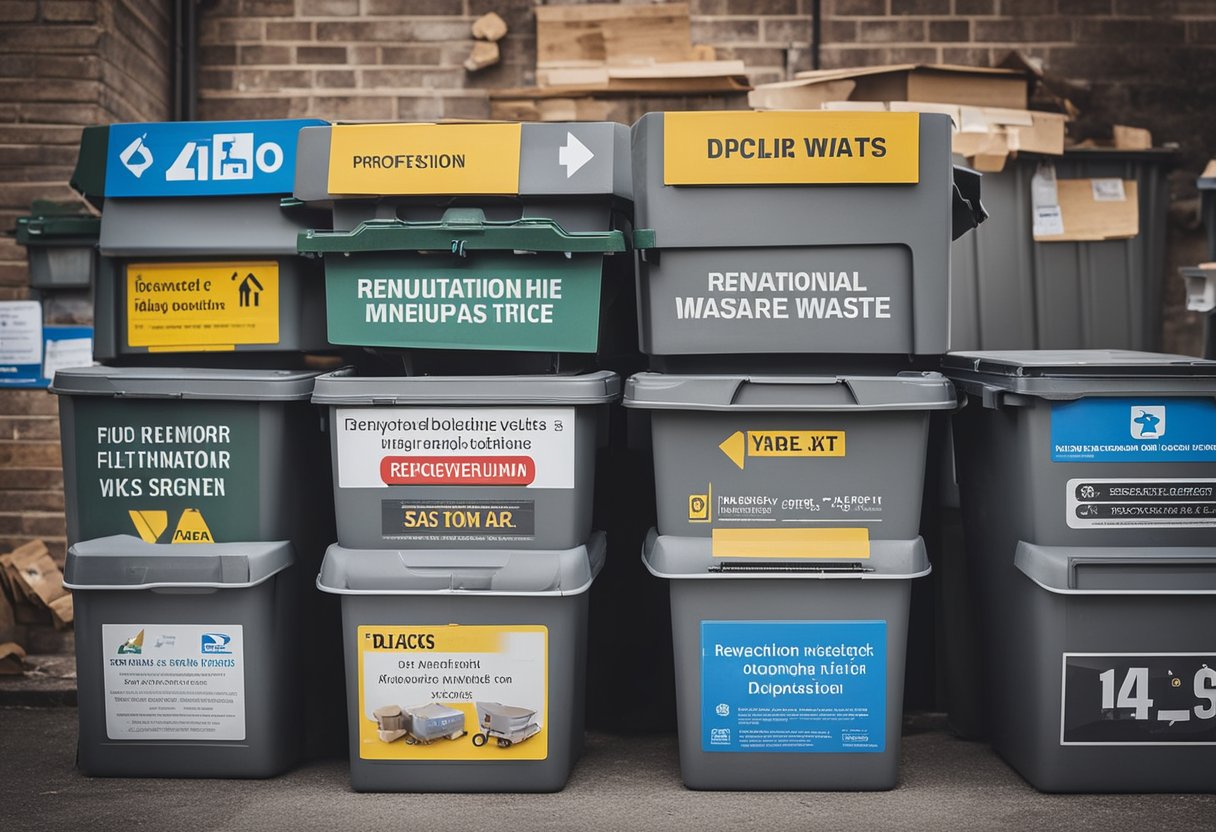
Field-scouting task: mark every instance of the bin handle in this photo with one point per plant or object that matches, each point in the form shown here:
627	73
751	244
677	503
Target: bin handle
1196	575
460	231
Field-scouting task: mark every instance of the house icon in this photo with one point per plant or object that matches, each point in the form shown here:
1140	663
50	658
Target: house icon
249	290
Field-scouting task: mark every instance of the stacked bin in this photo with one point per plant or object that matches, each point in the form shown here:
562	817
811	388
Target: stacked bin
794	278
481	275
196	475
1201	280
1089	506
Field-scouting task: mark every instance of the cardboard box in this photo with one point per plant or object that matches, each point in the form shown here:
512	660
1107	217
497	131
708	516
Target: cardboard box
944	83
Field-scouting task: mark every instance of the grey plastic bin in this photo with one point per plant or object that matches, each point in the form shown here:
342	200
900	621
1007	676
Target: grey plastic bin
463	629
734	269
219	455
187	660
1009	292
465	462
61	246
1088	481
206	275
761	720
812	464
1201	297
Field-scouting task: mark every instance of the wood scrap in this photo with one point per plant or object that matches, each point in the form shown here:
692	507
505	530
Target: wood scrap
490	27
612	33
63	613
485	53
12	659
33	573
1131	138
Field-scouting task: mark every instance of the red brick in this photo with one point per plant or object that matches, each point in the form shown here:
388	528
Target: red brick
1093	7
49	38
29	454
967	56
217	55
332	8
787	30
233	108
1027	30
891	31
1130	31
335	78
238	31
268	8
949	30
18	11
321	54
975	7
761	8
415	8
258	55
30	479
726	31
860	8
1026	8
921	7
353	107
417	78
288	30
69	11
271	80
28	403
425	54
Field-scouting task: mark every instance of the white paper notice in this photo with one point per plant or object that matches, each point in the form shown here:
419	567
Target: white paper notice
20	332
1048	221
174	682
66	354
1108	190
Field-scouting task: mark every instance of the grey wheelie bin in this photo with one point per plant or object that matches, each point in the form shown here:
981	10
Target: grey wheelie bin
465	462
492	643
187	660
1201	297
1088	481
61	244
199	257
500	246
787	234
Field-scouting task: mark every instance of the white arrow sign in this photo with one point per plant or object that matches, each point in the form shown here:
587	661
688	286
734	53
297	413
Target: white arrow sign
573	155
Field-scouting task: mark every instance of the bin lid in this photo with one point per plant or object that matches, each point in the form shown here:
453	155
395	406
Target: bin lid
1096	570
676	557
58	230
1070	374
126	562
343	388
186	383
478	572
215	227
361	161
830	393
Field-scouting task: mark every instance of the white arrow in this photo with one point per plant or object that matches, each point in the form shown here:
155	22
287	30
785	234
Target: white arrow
573	155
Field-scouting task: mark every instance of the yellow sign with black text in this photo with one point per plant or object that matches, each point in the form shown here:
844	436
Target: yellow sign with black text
180	307
453	692
803	148
741	445
424	159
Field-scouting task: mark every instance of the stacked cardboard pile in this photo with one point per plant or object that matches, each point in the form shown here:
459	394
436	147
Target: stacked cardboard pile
587	52
31	590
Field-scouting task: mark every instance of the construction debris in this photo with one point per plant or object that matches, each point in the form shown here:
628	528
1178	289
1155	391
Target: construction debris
485	53
489	27
12	659
31	592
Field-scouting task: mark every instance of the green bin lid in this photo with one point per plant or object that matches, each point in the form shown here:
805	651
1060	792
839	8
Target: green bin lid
675	557
343	388
478	572
186	383
1071	374
58	229
829	393
126	562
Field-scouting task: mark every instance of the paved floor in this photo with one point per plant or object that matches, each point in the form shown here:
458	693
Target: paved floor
621	784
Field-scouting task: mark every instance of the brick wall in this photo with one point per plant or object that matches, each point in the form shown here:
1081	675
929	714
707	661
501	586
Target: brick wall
63	64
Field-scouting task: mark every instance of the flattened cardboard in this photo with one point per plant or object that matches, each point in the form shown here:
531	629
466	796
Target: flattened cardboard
1086	219
11	659
944	83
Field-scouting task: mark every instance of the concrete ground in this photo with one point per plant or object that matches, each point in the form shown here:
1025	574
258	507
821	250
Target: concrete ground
621	783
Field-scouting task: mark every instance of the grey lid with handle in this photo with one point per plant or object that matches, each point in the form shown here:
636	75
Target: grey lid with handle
230	227
1096	570
344	388
123	562
675	557
186	383
453	571
1072	374
899	391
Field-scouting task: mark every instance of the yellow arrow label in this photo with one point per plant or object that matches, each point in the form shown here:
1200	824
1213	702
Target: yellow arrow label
772	148
150	525
424	159
782	443
192	528
791	543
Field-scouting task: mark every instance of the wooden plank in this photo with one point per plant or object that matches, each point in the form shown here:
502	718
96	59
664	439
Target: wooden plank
604	32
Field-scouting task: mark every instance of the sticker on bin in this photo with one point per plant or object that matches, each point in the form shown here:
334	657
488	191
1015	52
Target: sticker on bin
1134	430
1138	699
1140	503
731	148
203	158
167	474
794	686
456	692
424	159
174	682
380	447
176	307
458	520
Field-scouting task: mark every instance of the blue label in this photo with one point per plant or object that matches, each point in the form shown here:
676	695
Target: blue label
794	686
203	158
1134	430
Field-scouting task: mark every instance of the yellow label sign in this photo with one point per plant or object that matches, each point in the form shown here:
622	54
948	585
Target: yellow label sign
424	159
851	544
149	524
180	307
453	692
192	528
727	148
782	443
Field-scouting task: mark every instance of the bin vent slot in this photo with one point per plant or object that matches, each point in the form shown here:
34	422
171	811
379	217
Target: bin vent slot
787	566
1146	575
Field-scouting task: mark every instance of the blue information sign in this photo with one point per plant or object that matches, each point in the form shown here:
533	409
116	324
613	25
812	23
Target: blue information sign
203	158
793	686
1134	430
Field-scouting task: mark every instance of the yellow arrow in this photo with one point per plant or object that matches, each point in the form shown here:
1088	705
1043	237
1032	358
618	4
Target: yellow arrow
782	443
149	524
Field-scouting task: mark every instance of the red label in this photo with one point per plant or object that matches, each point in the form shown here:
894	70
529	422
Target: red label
457	470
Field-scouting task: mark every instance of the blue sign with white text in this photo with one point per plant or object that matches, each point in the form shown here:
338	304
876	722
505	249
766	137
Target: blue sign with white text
1134	430
203	158
794	686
